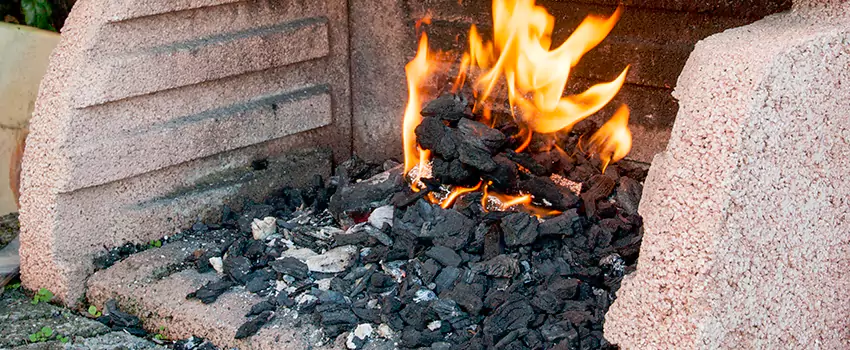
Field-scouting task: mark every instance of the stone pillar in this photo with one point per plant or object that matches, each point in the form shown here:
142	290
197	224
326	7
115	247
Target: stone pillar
747	213
153	112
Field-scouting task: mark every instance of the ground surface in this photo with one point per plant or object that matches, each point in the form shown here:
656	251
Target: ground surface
19	318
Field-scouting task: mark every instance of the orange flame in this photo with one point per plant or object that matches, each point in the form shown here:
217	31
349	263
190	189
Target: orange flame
613	141
456	193
417	72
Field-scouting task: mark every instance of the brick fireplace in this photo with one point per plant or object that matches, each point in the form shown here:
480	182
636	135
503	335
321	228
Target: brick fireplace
153	112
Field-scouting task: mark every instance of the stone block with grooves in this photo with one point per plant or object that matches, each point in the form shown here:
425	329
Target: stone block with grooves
150	117
746	213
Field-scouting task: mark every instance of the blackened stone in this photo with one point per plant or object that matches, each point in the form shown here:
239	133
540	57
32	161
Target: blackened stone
447	278
547	302
482	134
444	256
265	305
283	299
446	308
514	314
211	291
290	266
368	315
451	107
253	326
361	197
569	223
429	132
519	229
564	288
504	176
545	190
237	267
343	316
501	266
429	270
260	280
468	296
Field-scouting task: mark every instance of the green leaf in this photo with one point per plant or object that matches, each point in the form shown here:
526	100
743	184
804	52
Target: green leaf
93	310
34	338
37	13
47	331
63	339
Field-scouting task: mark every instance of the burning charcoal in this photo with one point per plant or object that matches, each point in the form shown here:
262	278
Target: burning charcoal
253	326
500	266
567	224
468	296
361	197
519	229
290	266
628	195
547	302
446	309
265	305
260	280
211	291
545	190
482	134
453	172
447	278
444	256
429	132
601	187
476	156
528	162
514	314
237	267
504	176
450	107
448	145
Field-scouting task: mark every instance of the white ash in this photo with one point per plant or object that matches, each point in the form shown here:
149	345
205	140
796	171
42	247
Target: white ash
384	331
262	229
424	295
335	260
381	216
217	264
324	284
435	325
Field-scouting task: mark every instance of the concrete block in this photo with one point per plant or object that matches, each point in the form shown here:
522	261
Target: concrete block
150	117
746	213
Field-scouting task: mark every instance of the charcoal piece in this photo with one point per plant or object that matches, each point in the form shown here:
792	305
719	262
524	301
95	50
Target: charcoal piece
260	280
429	132
538	321
417	315
554	161
410	338
450	107
441	345
547	302
368	315
238	268
393	320
468	296
629	194
211	291
255	249
564	288
283	299
253	326
528	162
453	172
363	282
512	340
553	332
251	212
361	197
414	217
444	256
544	190
601	186
577	317
476	244
504	177
428	337
500	266
567	224
120	319
495	298
380	283
533	340
447	278
519	229
290	266
446	308
353	169
430	269
514	314
330	297
265	305
476	156
446	223
628	247
343	316
376	254
481	134
355	238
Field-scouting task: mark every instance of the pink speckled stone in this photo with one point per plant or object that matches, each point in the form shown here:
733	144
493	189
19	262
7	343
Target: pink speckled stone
747	213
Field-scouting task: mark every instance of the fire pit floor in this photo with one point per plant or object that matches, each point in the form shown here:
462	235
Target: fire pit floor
377	266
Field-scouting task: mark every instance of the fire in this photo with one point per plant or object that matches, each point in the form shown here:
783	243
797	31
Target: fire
521	58
613	140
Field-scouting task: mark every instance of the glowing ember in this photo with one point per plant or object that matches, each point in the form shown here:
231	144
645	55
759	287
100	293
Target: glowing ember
456	193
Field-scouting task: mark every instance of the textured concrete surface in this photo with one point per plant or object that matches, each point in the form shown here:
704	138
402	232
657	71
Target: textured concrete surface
152	112
24	52
19	318
139	287
746	214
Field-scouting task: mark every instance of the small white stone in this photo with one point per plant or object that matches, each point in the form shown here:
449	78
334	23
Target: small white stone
334	260
280	285
382	215
217	264
262	229
324	284
373	304
384	331
433	326
363	330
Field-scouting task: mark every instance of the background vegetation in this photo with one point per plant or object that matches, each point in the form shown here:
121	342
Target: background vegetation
44	14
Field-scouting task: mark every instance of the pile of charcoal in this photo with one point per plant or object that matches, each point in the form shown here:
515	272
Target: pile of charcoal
366	258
